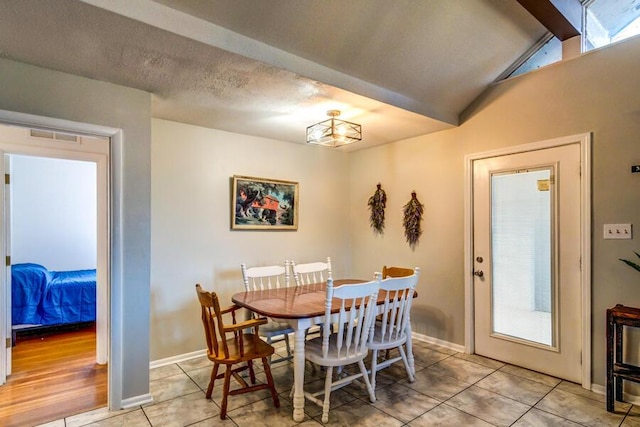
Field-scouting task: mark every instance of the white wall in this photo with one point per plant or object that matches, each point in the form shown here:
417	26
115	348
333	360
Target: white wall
53	212
595	93
191	240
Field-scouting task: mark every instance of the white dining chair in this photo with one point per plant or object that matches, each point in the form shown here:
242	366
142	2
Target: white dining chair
390	328
311	272
394	272
348	345
264	279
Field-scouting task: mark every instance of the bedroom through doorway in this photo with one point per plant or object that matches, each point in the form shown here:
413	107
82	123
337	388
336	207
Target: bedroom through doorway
53	217
56	230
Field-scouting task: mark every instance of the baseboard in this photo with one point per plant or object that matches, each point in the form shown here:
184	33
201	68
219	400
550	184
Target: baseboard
431	340
187	356
131	402
599	389
177	359
628	397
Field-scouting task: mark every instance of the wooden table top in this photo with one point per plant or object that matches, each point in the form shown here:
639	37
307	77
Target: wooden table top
294	302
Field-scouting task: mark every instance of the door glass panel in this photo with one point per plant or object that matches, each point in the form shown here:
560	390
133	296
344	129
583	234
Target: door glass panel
522	292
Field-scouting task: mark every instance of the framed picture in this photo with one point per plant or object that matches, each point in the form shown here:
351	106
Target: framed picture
263	204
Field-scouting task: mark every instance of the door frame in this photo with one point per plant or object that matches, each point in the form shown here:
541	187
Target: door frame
115	241
584	140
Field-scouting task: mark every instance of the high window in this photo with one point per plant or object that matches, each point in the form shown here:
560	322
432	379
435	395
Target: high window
605	22
549	52
610	21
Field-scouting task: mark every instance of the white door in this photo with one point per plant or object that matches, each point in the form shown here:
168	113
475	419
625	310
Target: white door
527	255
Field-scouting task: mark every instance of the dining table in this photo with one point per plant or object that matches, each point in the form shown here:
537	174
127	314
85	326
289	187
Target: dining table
301	307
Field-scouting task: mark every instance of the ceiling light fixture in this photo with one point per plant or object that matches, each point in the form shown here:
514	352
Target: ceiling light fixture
334	132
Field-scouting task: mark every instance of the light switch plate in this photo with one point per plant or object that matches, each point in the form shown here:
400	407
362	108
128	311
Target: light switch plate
617	231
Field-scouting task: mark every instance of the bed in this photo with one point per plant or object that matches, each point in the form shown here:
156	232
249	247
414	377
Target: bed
41	298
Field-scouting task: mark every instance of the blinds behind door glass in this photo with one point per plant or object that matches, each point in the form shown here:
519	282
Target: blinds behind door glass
522	288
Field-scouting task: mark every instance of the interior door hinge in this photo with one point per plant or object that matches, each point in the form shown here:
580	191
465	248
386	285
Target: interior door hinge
8	261
8	342
7	179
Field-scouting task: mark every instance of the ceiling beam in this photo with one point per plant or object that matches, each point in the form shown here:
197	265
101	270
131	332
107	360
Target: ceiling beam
562	17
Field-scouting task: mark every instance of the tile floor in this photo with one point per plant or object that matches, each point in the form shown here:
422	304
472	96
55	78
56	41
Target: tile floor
451	389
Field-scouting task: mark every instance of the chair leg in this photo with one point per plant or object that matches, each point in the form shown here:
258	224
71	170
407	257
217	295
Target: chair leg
363	369
410	375
269	342
272	387
225	392
327	394
252	373
214	373
286	342
374	367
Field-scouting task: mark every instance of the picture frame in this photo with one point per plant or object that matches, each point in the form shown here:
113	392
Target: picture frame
263	204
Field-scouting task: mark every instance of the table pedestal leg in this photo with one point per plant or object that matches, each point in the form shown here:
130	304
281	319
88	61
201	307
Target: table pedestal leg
298	375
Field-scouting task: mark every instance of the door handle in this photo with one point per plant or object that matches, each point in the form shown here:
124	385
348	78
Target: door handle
478	273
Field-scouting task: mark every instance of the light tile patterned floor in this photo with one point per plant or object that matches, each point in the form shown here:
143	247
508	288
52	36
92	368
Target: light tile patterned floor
451	389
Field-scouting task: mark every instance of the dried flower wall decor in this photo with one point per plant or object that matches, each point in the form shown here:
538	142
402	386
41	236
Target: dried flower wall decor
377	203
413	211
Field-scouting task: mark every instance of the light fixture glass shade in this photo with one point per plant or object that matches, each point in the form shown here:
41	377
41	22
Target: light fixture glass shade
334	132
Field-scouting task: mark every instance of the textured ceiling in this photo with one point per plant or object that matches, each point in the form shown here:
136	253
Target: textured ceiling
272	67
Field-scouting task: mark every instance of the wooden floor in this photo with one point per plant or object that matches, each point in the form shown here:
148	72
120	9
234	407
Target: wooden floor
53	376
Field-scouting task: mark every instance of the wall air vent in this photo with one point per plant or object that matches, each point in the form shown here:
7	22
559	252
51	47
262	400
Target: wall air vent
47	134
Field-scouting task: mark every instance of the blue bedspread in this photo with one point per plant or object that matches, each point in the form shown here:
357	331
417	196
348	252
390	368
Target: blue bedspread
42	297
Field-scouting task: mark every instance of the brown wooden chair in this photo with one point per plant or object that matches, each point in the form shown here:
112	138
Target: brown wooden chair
396	272
231	346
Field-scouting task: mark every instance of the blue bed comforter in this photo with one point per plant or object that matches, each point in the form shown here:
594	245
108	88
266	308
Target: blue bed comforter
43	297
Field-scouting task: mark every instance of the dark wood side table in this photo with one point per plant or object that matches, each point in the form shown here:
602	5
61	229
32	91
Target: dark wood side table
617	371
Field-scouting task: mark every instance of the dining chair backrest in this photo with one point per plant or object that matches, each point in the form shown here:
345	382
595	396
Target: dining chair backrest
357	304
396	272
213	323
264	278
312	272
398	295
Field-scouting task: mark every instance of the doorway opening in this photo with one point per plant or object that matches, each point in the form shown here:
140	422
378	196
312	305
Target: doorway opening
68	321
